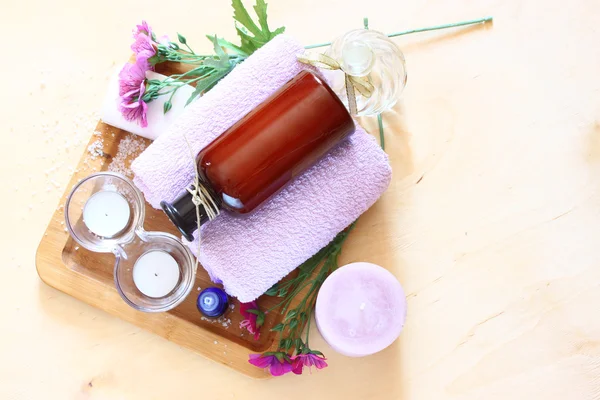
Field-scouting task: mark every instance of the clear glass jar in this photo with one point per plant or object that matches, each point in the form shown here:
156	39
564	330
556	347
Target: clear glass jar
129	242
365	52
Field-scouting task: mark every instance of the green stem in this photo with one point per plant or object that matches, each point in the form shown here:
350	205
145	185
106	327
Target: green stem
381	134
189	48
431	28
308	328
445	26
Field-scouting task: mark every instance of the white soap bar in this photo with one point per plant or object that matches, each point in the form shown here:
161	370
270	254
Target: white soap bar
158	121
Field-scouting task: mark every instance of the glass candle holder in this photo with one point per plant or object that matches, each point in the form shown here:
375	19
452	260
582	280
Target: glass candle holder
365	52
154	271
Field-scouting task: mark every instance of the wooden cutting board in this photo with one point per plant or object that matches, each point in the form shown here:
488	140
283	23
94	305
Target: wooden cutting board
88	276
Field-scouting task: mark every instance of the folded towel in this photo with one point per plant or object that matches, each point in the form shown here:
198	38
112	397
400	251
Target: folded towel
250	253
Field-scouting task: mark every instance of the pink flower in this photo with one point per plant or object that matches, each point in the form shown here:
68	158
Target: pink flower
250	319
144	45
278	363
144	28
132	85
308	360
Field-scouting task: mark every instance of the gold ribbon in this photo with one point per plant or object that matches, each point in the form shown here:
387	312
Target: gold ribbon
362	84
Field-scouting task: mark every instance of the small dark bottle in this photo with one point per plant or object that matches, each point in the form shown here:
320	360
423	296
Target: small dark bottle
265	150
212	302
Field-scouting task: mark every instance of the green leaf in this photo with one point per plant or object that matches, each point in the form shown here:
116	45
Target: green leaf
204	85
261	11
260	320
299	344
278	31
229	46
181	38
293	323
282	293
278	328
248	44
273	290
252	37
254	311
224	57
290	315
167	106
316	352
286	343
241	15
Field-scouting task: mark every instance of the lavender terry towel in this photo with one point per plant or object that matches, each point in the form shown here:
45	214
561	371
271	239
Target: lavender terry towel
250	253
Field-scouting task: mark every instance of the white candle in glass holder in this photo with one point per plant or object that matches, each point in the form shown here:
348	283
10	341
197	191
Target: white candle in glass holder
106	213
156	273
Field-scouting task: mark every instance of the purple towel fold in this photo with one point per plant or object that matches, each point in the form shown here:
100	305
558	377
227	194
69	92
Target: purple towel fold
249	254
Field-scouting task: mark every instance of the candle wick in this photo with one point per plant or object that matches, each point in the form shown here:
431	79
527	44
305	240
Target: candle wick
155	274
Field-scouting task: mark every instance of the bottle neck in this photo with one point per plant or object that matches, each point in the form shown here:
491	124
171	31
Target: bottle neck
184	213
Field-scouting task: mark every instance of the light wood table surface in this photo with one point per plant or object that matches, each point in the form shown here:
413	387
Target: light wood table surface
497	245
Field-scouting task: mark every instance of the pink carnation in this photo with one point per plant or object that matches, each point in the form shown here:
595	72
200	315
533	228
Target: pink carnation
249	322
144	45
132	86
307	360
278	363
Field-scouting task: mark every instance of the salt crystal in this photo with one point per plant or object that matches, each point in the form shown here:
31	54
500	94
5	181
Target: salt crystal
129	148
215	342
96	149
76	248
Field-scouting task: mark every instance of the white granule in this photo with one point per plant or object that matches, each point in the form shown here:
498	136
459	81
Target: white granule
222	320
95	149
129	148
215	342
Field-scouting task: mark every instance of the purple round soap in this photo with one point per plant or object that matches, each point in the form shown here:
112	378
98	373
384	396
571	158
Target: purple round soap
361	309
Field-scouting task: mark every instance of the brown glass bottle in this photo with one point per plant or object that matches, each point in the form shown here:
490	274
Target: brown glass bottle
265	150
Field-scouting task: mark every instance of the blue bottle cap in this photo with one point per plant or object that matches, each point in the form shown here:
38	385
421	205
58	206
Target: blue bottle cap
212	302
